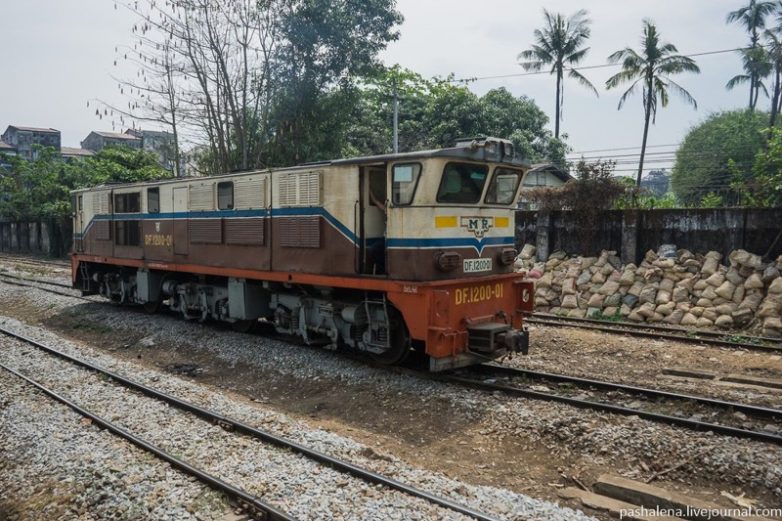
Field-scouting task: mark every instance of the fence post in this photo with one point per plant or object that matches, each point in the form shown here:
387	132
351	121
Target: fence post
629	236
542	230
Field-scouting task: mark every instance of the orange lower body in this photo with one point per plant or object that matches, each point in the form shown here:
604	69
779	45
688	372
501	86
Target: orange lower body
439	314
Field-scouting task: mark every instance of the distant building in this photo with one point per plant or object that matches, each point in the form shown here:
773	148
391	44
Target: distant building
5	148
160	143
69	153
23	140
658	182
542	175
98	140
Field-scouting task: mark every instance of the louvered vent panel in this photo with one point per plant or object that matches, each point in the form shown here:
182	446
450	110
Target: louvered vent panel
244	231
201	197
102	230
250	193
287	190
309	189
300	232
302	189
86	205
100	202
205	231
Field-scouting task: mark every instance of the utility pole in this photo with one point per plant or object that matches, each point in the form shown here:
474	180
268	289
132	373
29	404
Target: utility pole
396	121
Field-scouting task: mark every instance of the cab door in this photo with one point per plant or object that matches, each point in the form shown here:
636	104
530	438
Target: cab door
373	207
180	220
78	223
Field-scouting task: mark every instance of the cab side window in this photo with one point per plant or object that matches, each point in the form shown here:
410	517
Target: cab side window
225	195
153	200
404	182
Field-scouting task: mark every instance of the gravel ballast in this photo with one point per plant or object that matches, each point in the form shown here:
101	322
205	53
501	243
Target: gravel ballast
623	444
295	484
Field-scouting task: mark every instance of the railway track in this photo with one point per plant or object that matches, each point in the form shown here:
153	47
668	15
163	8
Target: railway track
657	405
660	332
516	382
256	505
31	261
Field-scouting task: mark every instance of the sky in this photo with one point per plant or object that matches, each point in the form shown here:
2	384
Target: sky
58	55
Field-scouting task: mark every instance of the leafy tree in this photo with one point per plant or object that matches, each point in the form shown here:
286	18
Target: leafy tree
765	186
433	113
756	65
711	200
560	44
703	161
39	189
650	68
262	82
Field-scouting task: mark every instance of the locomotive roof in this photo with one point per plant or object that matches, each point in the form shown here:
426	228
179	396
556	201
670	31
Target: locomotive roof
459	152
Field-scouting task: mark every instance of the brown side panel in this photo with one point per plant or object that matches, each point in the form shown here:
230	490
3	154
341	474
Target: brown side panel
311	245
412	264
181	239
158	239
97	240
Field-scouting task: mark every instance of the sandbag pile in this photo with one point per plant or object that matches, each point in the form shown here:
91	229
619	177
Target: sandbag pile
670	286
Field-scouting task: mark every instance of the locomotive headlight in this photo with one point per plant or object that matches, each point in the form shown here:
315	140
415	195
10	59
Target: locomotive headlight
447	261
507	256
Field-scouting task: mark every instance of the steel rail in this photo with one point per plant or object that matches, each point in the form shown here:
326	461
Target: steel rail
225	421
654	327
256	504
33	279
642	391
14	282
626	330
618	409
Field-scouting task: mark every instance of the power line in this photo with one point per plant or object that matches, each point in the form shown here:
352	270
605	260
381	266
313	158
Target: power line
621	148
585	67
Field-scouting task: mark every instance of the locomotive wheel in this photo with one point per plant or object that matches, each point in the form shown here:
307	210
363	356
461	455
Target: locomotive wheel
152	307
400	342
243	326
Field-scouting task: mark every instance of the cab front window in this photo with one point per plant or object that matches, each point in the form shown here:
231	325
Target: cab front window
462	183
504	184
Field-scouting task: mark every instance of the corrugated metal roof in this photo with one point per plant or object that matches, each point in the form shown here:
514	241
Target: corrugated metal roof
115	135
556	171
34	129
70	151
6	146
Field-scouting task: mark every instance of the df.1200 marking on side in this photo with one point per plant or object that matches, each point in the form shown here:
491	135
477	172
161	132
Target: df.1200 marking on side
478	293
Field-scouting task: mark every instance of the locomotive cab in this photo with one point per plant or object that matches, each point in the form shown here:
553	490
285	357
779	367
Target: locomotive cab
450	226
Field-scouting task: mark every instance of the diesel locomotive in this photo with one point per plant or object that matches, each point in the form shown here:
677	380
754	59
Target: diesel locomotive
383	254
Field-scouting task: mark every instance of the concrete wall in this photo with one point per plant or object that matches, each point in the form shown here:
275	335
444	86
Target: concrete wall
632	233
47	238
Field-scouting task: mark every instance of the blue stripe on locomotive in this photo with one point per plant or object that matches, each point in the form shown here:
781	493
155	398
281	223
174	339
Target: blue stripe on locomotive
419	243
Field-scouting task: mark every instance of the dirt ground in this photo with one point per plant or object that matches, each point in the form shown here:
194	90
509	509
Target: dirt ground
447	440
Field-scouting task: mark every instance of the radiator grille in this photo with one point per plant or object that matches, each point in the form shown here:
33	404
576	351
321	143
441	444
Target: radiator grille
201	197
205	231
249	232
299	189
249	194
300	232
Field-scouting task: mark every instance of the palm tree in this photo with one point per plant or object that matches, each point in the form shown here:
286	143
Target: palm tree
757	65
650	69
560	44
774	50
753	17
